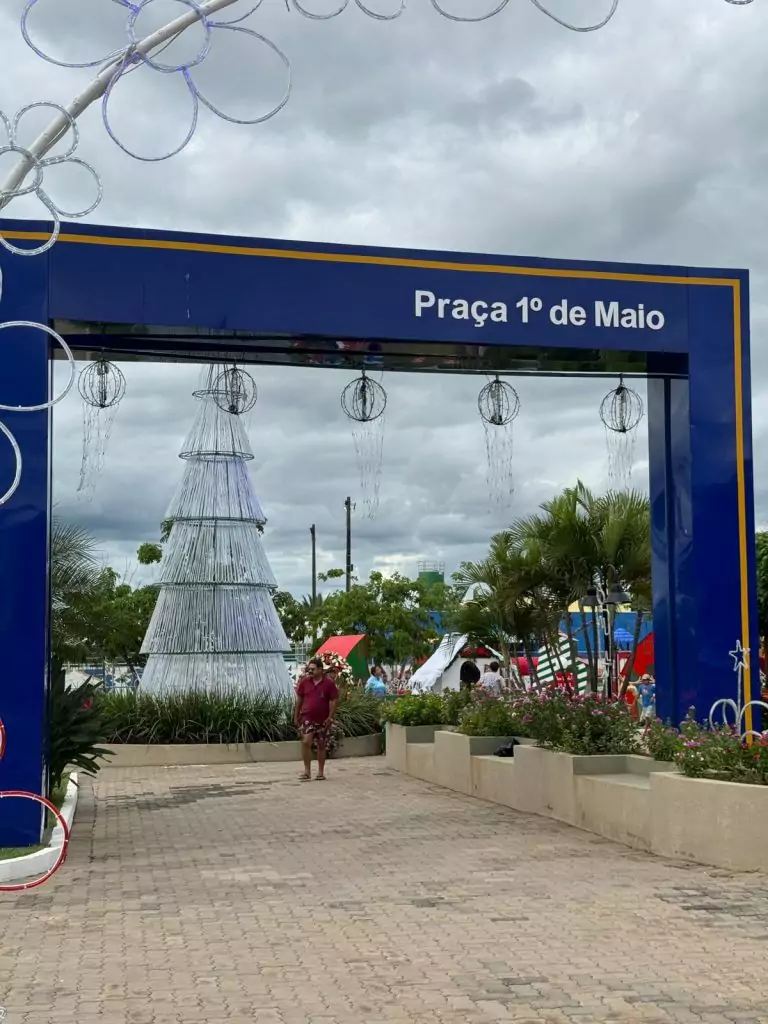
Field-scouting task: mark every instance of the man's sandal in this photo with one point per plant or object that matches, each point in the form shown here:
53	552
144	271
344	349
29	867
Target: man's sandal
305	777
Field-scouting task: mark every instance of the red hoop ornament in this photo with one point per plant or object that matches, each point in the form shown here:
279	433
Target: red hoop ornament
3	740
20	886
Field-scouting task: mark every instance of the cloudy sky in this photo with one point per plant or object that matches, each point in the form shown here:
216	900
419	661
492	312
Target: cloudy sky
641	142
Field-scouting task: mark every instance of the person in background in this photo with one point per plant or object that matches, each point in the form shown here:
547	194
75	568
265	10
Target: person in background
469	675
376	684
646	693
630	699
317	697
492	680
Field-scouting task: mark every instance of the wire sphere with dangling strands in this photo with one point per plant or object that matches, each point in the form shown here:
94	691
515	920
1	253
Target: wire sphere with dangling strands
499	405
621	412
102	387
101	384
364	402
363	399
235	391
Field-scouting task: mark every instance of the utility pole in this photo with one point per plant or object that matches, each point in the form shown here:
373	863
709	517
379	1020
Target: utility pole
313	534
349	506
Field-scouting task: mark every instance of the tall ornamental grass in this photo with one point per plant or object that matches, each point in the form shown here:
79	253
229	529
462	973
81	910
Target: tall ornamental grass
225	718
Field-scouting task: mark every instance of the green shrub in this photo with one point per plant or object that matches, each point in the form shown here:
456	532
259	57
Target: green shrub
580	724
77	729
454	702
416	709
593	725
214	718
492	716
722	754
663	742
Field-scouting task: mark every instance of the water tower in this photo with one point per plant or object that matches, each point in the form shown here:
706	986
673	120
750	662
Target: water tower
431	573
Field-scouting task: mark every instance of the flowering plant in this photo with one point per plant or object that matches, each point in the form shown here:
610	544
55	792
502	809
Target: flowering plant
721	754
337	667
556	719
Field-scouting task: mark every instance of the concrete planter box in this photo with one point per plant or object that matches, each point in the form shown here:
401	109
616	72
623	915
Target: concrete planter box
634	800
398	738
720	823
453	758
139	755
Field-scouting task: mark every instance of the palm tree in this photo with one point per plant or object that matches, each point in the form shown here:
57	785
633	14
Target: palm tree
582	541
75	575
508	602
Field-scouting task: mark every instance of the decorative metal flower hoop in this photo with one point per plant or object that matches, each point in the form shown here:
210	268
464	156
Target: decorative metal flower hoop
363	399
101	384
498	403
235	391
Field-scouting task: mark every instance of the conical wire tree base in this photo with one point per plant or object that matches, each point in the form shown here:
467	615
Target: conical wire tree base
221	674
214	626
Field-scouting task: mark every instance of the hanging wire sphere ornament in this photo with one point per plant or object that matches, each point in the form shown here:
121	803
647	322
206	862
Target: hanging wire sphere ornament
499	405
102	387
234	391
621	412
101	384
364	402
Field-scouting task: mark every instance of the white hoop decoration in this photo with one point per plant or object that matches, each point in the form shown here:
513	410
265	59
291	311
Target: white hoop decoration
119	74
381	17
36	166
68	352
61	820
467	18
169	69
10	493
738	725
578	28
52	60
320	17
275	49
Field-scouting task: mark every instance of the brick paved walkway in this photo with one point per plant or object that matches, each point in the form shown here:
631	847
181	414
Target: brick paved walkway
241	895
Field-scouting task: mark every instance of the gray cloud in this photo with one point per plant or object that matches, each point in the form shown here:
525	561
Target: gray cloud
640	142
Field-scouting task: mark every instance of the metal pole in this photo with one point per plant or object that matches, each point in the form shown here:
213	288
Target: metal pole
313	534
348	507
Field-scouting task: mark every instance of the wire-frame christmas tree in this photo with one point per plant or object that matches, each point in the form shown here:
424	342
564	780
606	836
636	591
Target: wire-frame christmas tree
215	627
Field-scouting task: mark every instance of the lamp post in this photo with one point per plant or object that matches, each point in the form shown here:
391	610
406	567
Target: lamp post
604	604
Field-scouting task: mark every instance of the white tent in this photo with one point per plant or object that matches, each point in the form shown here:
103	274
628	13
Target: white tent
430	676
442	670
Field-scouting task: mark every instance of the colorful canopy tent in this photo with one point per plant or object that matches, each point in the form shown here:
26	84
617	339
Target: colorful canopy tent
644	657
354	649
623	624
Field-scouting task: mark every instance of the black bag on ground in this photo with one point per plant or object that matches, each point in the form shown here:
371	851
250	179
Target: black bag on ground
507	750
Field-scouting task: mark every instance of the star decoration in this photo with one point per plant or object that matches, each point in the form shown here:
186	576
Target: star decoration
740	657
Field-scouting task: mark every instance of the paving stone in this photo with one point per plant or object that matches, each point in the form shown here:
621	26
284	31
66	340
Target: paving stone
228	895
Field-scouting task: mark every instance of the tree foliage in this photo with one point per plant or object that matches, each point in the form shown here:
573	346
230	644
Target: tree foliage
545	562
761	542
96	617
395	613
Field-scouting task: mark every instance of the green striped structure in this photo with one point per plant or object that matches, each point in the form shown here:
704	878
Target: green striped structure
552	661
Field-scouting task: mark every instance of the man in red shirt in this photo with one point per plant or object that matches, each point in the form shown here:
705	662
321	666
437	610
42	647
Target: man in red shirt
316	700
